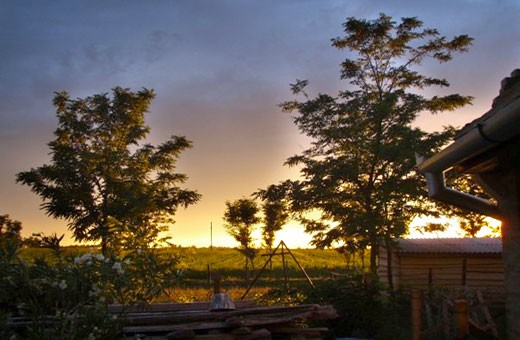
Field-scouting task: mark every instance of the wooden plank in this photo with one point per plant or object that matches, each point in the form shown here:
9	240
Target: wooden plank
174	307
243	311
313	332
250	321
160	318
136	319
490	322
154	329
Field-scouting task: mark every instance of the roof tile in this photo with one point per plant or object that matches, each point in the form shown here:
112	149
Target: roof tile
451	245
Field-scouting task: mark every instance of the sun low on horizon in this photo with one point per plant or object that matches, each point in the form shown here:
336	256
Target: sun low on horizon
220	71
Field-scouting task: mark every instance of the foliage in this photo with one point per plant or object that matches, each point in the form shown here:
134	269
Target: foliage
275	212
66	297
285	296
102	178
240	217
9	230
366	310
470	222
359	174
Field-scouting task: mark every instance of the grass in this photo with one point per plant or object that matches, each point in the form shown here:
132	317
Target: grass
196	264
228	260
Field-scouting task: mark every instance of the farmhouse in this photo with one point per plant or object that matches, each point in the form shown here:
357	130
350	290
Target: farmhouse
455	263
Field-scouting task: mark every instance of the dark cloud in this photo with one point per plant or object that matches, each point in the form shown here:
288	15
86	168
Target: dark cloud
220	68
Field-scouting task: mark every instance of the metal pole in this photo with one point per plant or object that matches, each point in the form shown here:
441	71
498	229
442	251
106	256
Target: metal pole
299	265
260	271
211	249
286	276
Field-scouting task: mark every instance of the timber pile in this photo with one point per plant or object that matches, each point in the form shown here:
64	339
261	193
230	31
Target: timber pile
247	321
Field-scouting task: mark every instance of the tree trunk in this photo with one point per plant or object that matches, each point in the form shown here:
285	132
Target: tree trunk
247	268
104	246
373	257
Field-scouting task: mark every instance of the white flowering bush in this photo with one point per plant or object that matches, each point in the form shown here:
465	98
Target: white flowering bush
66	297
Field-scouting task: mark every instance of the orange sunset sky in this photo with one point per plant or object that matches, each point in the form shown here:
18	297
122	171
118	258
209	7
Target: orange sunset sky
219	70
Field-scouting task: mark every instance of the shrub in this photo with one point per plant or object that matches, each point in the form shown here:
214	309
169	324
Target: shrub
367	310
66	297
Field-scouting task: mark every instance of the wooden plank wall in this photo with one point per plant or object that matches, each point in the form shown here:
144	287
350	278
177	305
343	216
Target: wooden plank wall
383	267
451	270
474	271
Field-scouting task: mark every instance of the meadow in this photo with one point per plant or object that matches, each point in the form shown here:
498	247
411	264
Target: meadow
197	266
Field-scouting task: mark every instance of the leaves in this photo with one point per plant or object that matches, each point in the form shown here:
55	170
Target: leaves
275	209
102	178
240	217
359	186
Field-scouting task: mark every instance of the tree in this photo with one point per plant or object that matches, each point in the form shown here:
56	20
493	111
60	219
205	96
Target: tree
10	231
359	173
102	178
240	217
275	212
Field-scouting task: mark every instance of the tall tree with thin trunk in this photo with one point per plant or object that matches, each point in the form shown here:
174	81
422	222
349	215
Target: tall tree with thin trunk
241	217
103	178
275	211
359	174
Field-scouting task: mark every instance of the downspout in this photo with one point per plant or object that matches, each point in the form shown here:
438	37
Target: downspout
438	190
496	129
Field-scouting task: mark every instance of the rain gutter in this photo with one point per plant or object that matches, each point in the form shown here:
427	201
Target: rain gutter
497	128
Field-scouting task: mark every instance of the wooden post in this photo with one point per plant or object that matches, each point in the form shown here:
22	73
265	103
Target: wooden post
464	270
416	314
461	319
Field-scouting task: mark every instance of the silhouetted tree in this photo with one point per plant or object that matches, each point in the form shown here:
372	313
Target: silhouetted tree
359	173
10	231
275	211
102	178
240	217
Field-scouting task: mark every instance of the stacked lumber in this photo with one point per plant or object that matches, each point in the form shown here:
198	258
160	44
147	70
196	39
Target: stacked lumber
247	321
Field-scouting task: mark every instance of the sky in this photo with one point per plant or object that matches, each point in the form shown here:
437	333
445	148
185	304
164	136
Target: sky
219	69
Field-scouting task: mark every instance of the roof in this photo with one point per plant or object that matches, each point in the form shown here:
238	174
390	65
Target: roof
509	91
450	245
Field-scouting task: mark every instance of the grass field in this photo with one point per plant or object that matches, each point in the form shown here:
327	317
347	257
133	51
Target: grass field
196	264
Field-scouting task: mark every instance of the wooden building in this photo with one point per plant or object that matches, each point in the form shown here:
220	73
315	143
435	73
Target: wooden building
455	263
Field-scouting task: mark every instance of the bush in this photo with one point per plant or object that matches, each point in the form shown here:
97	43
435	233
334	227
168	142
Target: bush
366	310
66	297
